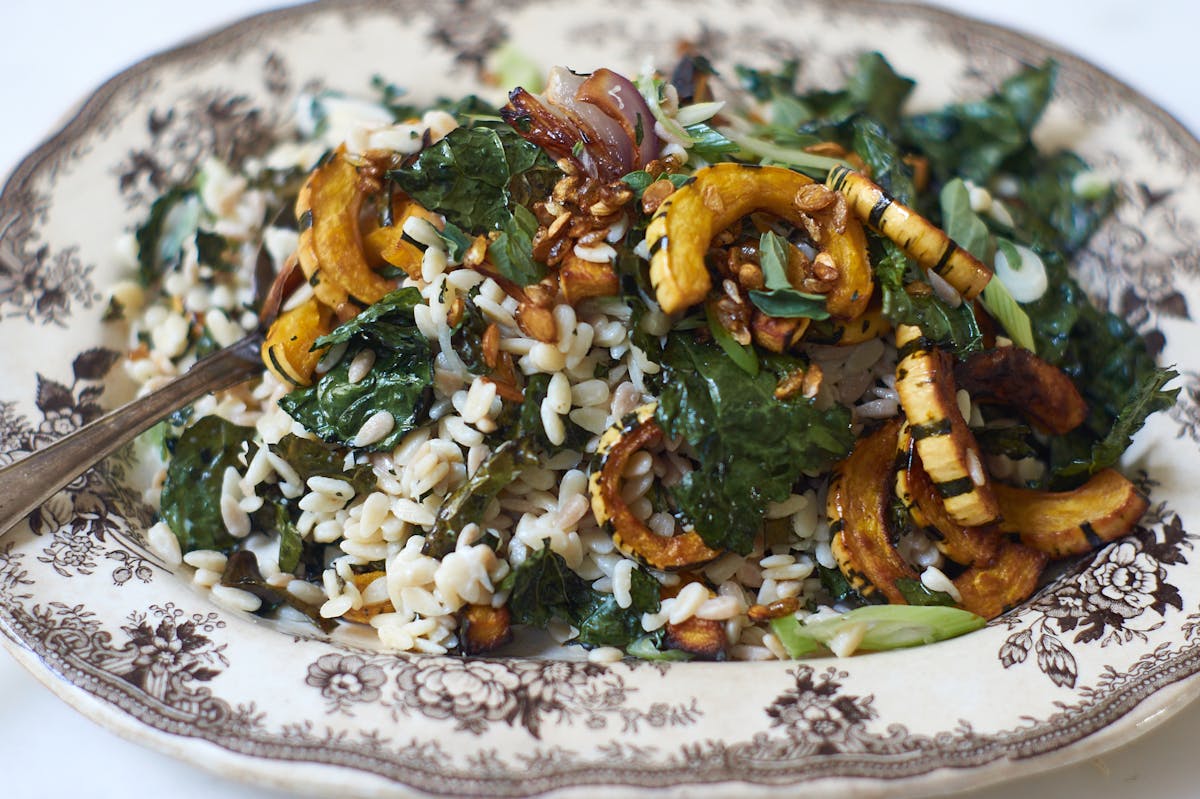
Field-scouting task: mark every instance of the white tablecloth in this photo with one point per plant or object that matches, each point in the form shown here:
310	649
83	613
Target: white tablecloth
56	52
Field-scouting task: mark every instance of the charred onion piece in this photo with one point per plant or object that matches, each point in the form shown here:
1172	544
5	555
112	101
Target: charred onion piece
1066	523
623	103
630	535
948	450
859	507
1016	377
599	122
920	239
683	227
541	125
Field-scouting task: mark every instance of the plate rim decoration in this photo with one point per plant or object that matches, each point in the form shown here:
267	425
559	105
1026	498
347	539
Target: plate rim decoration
97	618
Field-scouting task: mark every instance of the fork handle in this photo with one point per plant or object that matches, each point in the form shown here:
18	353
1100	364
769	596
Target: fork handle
31	481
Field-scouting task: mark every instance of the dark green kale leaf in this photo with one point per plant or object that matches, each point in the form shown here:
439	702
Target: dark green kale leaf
464	177
1109	364
512	251
466	337
241	571
974	140
877	90
1010	440
1145	398
457	242
751	447
528	424
477	176
543	587
314	459
191	495
400	381
915	593
467	503
1048	212
172	218
953	329
291	543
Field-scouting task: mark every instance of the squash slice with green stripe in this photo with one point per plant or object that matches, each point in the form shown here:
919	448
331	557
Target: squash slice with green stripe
287	349
920	239
859	508
948	450
966	546
1065	523
331	248
630	534
682	229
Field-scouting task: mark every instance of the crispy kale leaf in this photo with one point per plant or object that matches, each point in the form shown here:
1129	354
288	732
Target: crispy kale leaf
467	503
191	495
481	177
543	587
400	382
975	140
751	448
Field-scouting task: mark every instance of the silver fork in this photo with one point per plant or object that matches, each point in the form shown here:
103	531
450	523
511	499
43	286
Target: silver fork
29	482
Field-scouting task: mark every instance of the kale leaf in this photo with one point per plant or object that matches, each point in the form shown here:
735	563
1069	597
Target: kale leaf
191	495
467	503
475	176
751	447
974	140
544	587
400	381
512	251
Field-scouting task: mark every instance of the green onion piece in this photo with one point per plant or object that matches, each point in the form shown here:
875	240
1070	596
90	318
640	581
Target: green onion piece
744	356
888	627
649	86
1009	313
815	166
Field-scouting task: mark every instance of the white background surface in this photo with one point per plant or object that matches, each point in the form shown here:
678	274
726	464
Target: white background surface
55	53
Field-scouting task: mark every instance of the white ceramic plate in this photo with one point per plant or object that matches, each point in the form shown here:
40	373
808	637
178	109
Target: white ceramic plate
1074	672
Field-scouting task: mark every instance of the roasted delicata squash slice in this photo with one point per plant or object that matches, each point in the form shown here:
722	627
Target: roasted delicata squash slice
1065	523
1008	580
390	245
683	227
920	239
288	348
580	279
1017	378
483	629
629	534
948	450
859	506
964	545
704	638
331	249
848	332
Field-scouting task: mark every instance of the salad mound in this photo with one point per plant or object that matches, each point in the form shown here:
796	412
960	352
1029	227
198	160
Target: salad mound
705	366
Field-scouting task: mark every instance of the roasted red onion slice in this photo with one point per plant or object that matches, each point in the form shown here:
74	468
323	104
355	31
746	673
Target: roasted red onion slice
604	113
607	151
617	97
